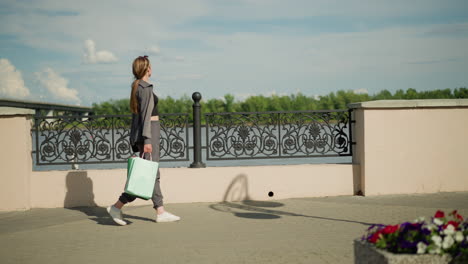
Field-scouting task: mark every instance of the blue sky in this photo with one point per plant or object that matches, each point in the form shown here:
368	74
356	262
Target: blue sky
81	52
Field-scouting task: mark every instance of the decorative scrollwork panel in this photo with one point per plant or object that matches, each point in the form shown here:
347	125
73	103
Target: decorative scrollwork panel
277	134
242	135
174	137
122	138
70	140
315	133
97	139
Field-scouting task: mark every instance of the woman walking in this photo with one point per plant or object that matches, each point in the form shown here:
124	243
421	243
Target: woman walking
144	137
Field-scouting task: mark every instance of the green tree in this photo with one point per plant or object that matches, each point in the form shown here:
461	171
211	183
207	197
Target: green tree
338	100
213	106
383	95
229	103
399	94
256	103
112	107
460	93
411	94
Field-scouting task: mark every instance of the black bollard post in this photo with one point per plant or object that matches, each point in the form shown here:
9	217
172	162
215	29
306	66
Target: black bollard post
197	163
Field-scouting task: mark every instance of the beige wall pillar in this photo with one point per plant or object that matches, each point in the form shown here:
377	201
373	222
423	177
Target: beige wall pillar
412	146
358	151
15	158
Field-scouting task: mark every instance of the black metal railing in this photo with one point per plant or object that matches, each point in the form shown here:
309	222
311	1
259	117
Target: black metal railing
102	139
229	136
278	134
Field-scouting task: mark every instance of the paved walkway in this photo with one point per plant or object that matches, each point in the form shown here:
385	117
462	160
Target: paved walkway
309	230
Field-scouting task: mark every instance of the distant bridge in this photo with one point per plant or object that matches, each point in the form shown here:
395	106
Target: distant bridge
48	109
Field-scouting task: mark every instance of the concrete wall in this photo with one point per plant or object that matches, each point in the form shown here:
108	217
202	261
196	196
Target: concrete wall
415	146
182	185
15	158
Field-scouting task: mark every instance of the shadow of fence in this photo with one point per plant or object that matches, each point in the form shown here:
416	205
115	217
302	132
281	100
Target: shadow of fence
238	202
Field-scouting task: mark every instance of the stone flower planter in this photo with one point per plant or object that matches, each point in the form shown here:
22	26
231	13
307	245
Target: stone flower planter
366	253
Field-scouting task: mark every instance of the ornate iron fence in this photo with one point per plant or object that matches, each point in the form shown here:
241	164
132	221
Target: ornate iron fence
102	139
229	136
278	134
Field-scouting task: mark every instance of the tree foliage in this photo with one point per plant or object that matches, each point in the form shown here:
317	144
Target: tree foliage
260	103
112	107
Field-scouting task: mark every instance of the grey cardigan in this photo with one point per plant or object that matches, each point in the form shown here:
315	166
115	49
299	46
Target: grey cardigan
140	131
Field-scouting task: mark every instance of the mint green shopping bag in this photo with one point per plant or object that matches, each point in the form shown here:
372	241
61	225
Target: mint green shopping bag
141	175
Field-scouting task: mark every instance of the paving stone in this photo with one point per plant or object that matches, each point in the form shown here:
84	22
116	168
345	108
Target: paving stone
307	230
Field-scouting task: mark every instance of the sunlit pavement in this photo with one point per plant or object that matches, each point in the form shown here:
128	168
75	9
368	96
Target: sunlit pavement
308	230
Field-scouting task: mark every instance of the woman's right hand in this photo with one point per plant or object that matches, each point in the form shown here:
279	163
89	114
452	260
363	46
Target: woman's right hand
148	148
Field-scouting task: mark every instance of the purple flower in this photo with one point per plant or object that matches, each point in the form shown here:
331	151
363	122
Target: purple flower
422	237
407	244
426	231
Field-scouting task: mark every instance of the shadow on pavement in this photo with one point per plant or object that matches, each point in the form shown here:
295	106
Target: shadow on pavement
261	213
262	203
97	214
80	197
100	215
237	201
257	215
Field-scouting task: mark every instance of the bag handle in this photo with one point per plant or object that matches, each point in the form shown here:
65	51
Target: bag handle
143	155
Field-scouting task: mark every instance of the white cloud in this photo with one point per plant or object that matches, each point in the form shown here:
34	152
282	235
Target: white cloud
57	85
361	91
154	50
243	96
12	83
92	56
180	58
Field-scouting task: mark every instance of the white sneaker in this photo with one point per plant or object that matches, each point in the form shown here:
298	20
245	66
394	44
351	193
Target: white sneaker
166	217
116	215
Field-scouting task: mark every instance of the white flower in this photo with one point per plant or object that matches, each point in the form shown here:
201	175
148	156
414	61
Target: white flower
420	219
438	222
448	242
435	251
430	227
437	240
459	236
450	230
422	248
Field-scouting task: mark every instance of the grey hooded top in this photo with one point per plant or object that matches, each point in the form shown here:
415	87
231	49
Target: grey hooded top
140	131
